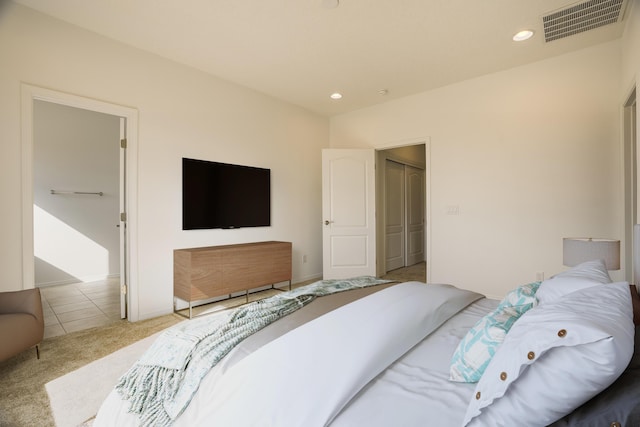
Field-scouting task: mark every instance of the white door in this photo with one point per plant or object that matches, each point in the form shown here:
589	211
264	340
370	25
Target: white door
348	209
394	215
415	185
122	220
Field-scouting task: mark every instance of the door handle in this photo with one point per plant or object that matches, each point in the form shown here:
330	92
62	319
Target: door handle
327	222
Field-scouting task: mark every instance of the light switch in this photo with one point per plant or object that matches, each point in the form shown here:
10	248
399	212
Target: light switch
453	210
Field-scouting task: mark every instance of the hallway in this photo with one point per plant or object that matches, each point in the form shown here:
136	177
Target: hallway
78	306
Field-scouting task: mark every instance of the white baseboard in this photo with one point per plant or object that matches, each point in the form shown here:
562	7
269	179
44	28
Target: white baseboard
316	276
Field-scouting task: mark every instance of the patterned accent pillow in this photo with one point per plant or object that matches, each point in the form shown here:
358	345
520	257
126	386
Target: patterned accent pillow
522	295
476	349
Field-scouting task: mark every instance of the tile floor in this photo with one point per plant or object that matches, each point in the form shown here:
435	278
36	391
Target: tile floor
417	272
78	306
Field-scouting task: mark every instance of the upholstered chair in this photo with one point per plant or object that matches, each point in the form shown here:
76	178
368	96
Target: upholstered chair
21	322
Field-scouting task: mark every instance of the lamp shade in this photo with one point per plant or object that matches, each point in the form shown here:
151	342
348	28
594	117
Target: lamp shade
576	250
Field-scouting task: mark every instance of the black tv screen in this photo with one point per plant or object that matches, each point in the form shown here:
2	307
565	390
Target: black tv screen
221	195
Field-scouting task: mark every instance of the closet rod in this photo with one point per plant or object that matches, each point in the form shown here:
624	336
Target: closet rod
95	193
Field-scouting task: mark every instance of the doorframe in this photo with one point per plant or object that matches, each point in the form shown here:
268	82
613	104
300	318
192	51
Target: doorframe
31	93
380	217
630	161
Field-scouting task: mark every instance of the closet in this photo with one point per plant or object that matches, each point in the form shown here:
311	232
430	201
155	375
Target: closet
404	206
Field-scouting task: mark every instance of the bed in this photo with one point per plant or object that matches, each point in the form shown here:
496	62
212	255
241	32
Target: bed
562	352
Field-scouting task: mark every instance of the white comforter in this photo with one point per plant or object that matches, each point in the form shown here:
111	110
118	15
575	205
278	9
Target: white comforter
310	376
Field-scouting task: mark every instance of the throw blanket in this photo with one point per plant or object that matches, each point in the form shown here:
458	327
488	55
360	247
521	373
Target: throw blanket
162	382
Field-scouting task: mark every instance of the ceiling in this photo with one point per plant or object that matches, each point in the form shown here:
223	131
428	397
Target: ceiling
301	51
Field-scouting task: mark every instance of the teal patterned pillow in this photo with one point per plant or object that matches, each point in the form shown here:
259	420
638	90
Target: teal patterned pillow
475	350
522	295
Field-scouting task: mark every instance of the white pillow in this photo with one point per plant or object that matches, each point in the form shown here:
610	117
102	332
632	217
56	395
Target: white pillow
590	273
556	357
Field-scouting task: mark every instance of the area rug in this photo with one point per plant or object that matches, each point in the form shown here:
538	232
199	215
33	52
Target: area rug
24	401
77	396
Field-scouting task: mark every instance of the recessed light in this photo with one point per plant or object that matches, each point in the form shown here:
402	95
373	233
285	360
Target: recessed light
522	35
336	95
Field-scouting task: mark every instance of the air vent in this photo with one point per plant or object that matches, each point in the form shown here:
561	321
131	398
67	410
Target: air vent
582	17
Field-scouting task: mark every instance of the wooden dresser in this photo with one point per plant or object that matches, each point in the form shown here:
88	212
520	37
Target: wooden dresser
203	273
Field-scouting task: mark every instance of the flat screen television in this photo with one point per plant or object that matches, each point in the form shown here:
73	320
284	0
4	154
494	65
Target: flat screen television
221	195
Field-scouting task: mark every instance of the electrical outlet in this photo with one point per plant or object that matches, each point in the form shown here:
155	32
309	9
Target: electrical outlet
539	276
304	258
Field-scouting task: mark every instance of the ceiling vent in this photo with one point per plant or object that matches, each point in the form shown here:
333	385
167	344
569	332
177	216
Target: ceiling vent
582	17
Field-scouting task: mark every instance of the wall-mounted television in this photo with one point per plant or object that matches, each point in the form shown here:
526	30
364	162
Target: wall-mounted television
221	195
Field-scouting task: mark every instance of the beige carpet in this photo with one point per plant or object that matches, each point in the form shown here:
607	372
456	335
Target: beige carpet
23	398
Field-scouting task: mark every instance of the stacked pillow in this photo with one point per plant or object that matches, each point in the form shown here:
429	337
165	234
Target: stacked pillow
573	344
585	275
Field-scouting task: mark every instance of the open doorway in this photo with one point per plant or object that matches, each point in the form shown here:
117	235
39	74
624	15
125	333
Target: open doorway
401	191
123	223
353	209
76	206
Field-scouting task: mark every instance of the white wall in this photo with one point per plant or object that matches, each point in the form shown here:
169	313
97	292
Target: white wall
75	236
630	49
530	155
182	112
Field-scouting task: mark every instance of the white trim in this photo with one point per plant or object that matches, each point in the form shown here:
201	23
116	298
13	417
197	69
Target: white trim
427	211
122	230
29	94
630	188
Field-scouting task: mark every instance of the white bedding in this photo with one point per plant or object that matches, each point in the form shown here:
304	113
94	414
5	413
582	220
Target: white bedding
409	391
417	387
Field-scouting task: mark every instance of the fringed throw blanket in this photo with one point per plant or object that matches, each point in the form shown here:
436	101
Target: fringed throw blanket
162	382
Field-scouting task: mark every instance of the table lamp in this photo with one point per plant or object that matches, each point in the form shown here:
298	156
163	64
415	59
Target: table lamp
576	250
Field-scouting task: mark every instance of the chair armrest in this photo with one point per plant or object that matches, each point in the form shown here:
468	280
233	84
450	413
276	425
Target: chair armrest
24	301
